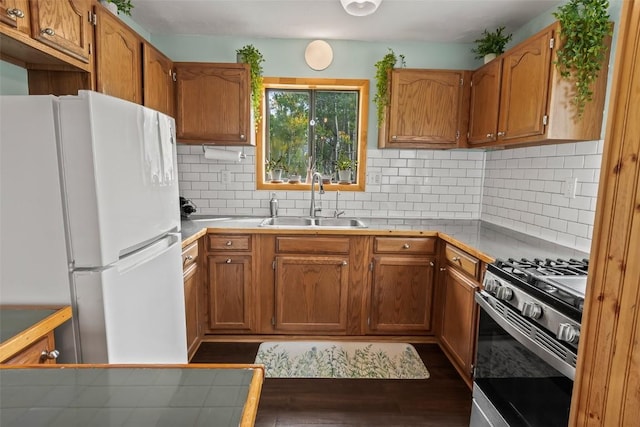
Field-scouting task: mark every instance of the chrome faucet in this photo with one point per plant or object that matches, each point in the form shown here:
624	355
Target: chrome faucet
337	212
312	208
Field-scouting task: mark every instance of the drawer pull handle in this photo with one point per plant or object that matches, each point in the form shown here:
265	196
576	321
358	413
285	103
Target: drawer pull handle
15	13
229	243
48	32
188	258
406	246
49	355
344	262
455	259
228	261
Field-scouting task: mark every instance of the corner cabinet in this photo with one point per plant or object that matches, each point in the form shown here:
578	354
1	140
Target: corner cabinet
428	109
213	103
401	297
230	293
311	285
520	98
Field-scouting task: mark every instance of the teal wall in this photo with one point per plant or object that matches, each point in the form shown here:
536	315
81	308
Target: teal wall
13	79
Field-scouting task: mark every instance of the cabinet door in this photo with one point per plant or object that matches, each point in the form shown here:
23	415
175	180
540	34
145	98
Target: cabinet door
33	354
190	279
158	80
401	295
459	319
484	103
525	88
118	58
213	103
427	108
311	293
15	14
63	25
230	293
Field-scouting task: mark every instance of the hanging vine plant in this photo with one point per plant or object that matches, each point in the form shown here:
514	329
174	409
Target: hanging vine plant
584	26
383	67
249	54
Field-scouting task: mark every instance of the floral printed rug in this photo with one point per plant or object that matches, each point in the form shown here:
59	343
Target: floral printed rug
334	359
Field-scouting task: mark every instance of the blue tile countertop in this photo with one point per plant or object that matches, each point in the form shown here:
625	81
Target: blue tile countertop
483	239
111	395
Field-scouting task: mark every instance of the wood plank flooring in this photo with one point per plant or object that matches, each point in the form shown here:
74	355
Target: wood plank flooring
442	400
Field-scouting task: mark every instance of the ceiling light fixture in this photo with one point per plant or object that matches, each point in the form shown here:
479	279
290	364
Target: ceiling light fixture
360	7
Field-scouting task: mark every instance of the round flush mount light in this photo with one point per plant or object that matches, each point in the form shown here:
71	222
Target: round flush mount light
360	7
318	55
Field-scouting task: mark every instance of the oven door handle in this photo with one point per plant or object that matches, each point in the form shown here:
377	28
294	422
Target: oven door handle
552	359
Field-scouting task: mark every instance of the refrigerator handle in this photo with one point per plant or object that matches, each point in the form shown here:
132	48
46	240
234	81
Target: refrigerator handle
147	253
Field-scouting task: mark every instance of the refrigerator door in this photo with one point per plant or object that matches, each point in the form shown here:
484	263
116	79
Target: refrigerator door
133	311
119	176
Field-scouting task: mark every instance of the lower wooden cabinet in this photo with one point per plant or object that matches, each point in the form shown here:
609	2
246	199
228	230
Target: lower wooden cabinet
459	320
230	293
311	294
36	353
401	295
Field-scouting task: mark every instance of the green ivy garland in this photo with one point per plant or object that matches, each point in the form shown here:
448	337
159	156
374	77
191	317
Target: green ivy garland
123	6
383	67
584	25
249	54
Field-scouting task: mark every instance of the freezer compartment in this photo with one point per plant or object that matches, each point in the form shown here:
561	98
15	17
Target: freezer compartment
133	311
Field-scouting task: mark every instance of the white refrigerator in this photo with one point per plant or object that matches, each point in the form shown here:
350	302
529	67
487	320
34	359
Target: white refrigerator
89	217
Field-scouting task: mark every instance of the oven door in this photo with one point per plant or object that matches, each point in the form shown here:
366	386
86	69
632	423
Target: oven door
518	380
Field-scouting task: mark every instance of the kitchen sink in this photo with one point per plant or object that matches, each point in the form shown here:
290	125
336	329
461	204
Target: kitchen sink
306	222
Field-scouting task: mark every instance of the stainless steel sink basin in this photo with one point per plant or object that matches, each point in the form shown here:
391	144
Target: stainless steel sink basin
306	222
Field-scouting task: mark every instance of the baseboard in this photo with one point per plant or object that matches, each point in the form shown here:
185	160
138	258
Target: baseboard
374	338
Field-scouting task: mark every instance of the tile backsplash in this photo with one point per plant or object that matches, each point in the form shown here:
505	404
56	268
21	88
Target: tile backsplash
522	188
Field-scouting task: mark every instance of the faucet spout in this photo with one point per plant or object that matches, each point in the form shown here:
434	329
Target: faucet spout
313	210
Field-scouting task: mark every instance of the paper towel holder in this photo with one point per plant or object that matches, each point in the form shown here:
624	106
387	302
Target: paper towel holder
204	150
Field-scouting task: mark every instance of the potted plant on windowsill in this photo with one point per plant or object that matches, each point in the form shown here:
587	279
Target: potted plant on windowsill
249	54
491	44
344	166
275	169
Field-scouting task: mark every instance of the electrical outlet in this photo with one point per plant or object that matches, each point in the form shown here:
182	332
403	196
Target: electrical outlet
377	178
570	185
225	177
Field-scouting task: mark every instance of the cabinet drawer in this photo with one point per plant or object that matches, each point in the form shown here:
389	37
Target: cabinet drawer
229	243
33	353
405	245
462	261
189	255
313	245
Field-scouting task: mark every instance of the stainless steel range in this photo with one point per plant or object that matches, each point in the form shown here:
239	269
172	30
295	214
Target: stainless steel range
527	341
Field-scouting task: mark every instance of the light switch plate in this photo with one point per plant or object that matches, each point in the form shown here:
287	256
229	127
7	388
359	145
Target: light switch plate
225	177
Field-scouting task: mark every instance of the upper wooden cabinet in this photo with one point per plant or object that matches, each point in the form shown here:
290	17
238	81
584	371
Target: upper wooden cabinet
63	25
428	109
158	80
118	58
533	102
15	14
213	103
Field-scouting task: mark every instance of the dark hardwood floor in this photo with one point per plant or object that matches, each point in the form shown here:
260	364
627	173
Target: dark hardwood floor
442	400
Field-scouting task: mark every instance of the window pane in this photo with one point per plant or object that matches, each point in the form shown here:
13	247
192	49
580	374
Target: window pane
288	123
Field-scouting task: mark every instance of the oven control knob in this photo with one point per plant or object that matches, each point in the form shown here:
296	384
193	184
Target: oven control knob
568	333
491	285
532	310
504	293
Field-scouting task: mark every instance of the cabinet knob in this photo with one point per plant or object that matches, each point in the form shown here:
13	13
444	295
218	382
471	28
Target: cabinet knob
502	133
489	135
344	263
431	264
49	355
443	269
48	32
188	258
455	259
228	261
394	137
406	246
242	137
15	13
229	243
